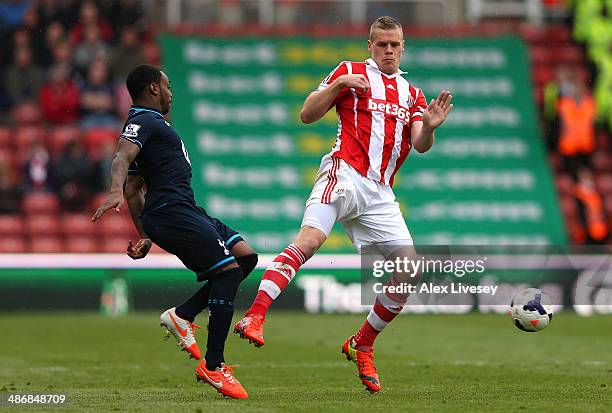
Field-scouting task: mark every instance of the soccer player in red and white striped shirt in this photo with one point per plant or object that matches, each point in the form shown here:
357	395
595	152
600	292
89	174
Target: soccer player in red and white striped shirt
381	116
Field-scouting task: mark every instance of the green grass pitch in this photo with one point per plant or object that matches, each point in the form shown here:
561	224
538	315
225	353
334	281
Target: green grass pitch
427	363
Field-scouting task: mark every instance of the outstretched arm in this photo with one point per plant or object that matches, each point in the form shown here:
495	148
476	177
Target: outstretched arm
318	103
124	155
422	133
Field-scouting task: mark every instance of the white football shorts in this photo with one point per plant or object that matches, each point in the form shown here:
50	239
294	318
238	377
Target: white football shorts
366	208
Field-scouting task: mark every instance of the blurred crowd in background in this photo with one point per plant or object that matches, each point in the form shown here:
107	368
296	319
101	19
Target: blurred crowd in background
576	109
62	96
63	67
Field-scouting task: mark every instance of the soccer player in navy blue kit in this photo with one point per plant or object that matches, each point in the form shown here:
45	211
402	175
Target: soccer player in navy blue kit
150	154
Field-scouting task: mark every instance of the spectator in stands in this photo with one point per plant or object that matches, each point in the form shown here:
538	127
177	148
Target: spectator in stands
127	54
577	113
64	11
101	176
12	41
10	190
23	79
54	34
97	98
38	168
592	25
562	85
5	100
12	13
21	38
126	13
90	16
123	98
603	82
59	97
72	176
62	55
90	48
36	35
592	212
48	11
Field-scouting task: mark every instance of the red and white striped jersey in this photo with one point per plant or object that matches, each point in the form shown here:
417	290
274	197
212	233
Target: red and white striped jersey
374	127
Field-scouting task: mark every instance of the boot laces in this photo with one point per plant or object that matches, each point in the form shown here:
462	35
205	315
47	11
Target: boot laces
228	373
192	327
257	321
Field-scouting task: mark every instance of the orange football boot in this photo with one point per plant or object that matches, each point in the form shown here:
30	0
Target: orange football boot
222	379
182	330
365	365
251	328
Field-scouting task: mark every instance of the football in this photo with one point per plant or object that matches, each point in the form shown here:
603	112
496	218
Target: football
531	310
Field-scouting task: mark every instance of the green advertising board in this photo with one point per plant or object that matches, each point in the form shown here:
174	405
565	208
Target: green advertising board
485	181
329	283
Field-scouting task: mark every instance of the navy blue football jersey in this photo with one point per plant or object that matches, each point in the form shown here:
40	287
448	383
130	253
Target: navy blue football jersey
163	161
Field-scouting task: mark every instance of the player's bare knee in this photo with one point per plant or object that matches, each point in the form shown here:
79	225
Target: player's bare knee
309	240
309	245
399	250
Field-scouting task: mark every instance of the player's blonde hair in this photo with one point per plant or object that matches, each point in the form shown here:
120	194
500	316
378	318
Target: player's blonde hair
384	23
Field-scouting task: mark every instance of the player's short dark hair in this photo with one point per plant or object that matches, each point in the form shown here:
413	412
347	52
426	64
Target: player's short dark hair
140	78
384	23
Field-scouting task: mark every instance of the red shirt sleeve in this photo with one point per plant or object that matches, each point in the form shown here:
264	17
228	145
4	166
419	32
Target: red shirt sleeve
341	69
419	106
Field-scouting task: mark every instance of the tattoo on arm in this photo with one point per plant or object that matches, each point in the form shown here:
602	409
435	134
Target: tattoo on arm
124	155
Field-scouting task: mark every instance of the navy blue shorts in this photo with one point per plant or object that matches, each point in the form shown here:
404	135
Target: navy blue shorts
201	242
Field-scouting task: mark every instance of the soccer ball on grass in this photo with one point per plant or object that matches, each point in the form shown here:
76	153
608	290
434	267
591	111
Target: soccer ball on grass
531	310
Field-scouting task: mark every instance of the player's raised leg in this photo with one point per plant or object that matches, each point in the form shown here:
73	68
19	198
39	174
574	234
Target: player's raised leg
316	226
275	279
359	347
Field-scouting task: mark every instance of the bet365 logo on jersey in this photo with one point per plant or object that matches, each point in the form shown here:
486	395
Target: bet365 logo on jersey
393	109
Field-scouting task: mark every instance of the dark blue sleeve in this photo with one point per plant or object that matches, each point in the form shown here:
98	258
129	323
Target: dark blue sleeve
138	131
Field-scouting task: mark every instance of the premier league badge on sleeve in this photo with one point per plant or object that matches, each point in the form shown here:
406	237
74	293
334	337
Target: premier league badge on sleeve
131	130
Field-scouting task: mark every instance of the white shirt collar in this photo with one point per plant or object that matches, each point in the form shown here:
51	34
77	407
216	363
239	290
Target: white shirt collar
372	63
